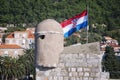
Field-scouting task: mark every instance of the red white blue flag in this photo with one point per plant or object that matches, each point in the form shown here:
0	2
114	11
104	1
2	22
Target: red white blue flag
75	23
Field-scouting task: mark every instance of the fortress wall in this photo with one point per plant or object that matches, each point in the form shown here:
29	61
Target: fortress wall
77	62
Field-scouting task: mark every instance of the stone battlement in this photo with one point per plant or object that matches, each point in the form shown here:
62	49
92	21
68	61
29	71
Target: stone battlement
77	62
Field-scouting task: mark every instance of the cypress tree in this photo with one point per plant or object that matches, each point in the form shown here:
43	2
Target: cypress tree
111	63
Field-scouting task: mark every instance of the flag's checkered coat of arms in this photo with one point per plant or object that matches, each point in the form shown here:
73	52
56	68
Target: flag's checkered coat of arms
74	21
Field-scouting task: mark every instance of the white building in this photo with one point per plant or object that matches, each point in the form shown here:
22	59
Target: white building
25	39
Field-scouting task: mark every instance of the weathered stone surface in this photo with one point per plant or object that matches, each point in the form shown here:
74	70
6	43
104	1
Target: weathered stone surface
49	43
85	78
90	78
79	69
86	74
80	74
79	65
91	48
66	78
86	69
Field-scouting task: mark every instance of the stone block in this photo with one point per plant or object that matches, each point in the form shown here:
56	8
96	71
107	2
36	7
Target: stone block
66	78
73	69
55	78
92	74
98	75
69	69
80	78
92	61
68	56
63	73
85	78
105	75
61	65
95	69
72	64
74	74
77	78
86	74
81	56
84	64
80	74
50	78
75	55
79	69
80	60
72	78
60	78
90	78
90	65
105	79
96	78
86	69
70	74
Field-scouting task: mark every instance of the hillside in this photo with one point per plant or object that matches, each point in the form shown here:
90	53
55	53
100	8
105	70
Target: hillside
33	11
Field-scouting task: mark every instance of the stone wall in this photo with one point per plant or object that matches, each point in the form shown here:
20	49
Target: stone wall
77	62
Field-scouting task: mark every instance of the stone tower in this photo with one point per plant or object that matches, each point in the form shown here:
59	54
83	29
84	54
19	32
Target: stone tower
49	43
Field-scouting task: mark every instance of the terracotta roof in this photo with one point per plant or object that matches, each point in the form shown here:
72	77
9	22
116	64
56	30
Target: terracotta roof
30	35
1	36
9	46
11	35
115	46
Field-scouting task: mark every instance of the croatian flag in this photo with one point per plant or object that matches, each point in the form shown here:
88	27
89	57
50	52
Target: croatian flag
75	24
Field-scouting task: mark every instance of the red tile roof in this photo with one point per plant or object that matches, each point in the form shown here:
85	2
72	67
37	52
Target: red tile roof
11	35
9	46
30	35
115	46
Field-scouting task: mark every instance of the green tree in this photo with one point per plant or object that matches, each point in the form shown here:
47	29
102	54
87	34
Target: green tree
111	63
28	61
10	68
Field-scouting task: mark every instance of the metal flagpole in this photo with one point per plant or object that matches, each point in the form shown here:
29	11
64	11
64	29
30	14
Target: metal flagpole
88	22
